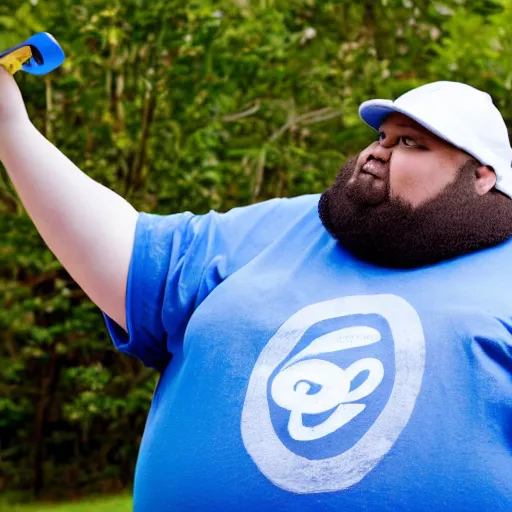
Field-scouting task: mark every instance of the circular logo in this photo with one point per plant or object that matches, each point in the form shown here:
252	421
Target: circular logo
307	385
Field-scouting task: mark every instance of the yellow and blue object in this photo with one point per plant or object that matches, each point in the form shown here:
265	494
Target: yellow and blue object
38	55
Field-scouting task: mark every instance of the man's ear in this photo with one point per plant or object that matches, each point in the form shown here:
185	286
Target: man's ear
485	180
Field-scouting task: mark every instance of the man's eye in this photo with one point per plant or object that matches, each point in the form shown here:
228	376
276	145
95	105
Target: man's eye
408	142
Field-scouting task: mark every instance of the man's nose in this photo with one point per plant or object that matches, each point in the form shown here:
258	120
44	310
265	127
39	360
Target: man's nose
380	152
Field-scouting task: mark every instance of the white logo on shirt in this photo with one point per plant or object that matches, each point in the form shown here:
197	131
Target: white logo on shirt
309	385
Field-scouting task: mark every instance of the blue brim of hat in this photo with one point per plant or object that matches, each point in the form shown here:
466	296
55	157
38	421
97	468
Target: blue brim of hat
373	112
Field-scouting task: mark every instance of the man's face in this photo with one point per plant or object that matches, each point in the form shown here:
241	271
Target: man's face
411	199
408	162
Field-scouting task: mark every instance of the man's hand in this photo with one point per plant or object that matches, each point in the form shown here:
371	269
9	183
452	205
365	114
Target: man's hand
12	107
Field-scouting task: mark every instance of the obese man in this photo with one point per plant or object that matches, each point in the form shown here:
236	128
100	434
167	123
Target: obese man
344	351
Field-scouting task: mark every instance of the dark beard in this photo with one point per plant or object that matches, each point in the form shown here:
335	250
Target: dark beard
391	233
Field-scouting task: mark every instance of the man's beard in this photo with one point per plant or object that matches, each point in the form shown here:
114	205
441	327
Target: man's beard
389	232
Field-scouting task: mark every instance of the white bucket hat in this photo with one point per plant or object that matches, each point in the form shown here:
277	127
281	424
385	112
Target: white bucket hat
459	114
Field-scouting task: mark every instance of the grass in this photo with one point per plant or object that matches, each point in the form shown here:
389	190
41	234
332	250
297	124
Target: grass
122	503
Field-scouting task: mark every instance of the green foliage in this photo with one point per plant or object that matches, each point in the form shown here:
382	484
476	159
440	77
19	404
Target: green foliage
190	106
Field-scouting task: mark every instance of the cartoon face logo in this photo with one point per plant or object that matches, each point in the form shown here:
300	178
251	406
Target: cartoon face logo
324	386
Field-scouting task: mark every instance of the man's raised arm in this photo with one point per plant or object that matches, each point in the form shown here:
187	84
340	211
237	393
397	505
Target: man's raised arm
88	227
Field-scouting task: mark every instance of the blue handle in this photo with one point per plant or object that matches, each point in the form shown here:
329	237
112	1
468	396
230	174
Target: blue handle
46	54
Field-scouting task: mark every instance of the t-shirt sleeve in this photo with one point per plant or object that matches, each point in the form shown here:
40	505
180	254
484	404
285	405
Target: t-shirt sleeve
177	260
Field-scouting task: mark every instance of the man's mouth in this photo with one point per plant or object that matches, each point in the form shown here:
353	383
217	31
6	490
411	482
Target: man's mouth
375	169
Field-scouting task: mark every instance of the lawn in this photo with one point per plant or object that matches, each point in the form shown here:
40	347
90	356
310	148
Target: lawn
121	503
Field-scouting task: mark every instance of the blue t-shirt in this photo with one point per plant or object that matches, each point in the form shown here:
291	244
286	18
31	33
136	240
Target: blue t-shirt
304	379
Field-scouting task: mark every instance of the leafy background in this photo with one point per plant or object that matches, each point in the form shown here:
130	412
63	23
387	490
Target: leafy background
194	106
